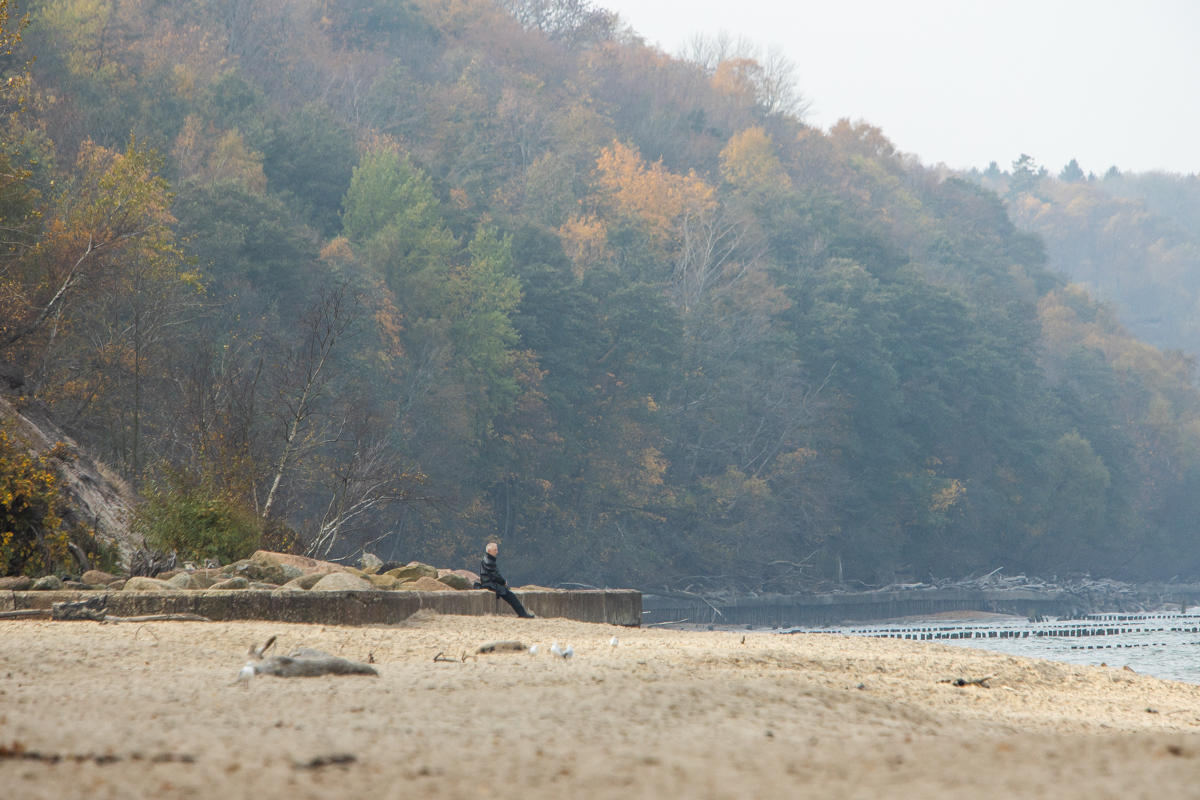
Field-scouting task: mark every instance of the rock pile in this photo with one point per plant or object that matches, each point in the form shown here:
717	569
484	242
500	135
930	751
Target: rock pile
266	571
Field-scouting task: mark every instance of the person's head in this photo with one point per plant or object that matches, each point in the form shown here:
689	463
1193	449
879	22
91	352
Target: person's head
492	548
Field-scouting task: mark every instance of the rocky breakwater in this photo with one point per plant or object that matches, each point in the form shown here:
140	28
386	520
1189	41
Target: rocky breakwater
289	588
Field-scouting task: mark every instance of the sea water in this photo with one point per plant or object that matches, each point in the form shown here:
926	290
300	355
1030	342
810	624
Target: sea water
1163	645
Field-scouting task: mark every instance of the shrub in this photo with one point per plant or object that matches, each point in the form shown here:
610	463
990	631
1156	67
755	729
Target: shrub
33	539
186	514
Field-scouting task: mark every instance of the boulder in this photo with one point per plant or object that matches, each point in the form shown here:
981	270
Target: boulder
204	580
290	573
304	581
466	573
455	581
388	566
95	576
425	584
369	564
341	581
140	584
358	573
185	581
118	584
533	587
264	587
231	584
307	565
48	583
383	581
76	586
414	571
256	571
16	583
166	576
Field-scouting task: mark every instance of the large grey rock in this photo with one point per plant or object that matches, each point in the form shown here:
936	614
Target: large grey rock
341	581
95	576
455	581
383	581
304	581
232	584
185	580
48	583
304	563
16	583
369	563
257	571
140	584
426	584
290	573
414	571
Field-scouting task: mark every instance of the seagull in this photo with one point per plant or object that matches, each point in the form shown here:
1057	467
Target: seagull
533	651
556	651
246	674
614	642
570	651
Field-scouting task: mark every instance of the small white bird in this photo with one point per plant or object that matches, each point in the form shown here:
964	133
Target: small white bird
614	642
533	651
570	651
555	650
246	674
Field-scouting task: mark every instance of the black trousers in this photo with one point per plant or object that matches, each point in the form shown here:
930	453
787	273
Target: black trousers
505	594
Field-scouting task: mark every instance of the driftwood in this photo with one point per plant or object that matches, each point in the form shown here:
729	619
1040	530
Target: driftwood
95	609
157	618
506	646
303	663
27	612
981	682
285	667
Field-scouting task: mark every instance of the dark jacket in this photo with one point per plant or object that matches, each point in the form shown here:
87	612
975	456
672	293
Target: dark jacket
489	574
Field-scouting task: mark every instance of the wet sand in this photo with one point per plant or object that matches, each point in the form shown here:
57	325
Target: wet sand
694	714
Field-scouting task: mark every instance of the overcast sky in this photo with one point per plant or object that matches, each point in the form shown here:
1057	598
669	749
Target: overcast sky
965	83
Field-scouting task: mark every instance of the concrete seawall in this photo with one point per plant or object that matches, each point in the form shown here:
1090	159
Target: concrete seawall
612	607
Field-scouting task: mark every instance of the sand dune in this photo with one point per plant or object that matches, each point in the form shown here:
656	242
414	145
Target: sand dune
665	714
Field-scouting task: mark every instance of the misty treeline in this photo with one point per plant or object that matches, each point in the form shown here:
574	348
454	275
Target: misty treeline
414	275
1132	239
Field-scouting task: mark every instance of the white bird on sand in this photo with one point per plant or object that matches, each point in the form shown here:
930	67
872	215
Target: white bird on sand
533	651
246	674
570	651
614	642
555	650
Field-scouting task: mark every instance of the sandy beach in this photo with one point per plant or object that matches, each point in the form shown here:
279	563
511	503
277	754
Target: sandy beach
152	711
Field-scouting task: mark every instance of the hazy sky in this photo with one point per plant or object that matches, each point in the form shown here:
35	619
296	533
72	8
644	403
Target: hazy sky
966	83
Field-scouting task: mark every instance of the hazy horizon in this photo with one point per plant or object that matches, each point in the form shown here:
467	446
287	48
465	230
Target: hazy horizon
1106	83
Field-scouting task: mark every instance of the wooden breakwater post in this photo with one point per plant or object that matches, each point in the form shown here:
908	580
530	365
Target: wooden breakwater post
784	611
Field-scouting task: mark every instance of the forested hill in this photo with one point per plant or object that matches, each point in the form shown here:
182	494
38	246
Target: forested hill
1132	238
412	276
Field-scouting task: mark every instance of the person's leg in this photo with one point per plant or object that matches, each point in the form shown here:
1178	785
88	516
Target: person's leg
507	596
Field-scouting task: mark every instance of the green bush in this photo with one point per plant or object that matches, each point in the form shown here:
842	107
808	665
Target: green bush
184	514
33	539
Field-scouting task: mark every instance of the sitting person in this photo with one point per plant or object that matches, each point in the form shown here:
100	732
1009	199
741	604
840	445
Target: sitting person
491	579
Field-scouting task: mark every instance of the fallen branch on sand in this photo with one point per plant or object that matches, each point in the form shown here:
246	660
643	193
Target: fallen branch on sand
302	663
668	622
28	612
110	620
506	646
982	682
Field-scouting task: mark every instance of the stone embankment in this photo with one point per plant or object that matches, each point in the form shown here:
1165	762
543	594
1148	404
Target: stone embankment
286	588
